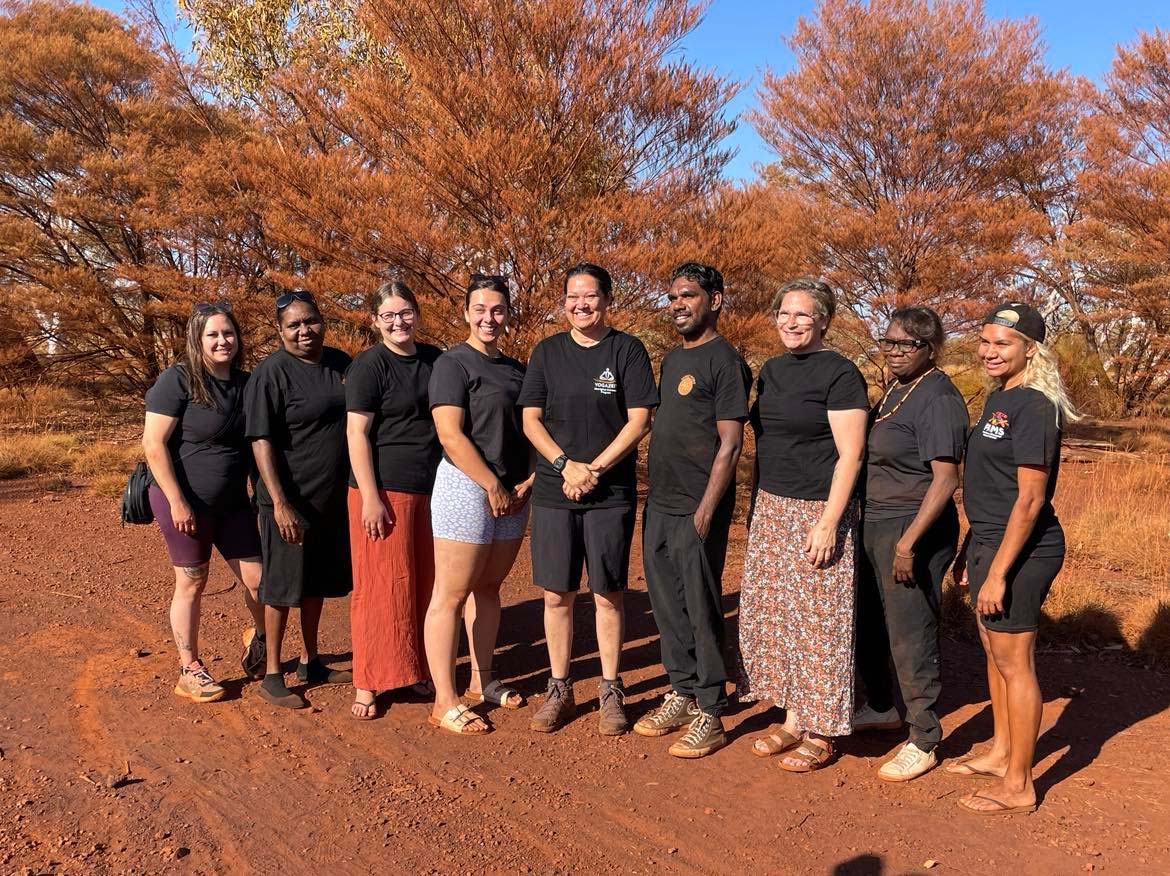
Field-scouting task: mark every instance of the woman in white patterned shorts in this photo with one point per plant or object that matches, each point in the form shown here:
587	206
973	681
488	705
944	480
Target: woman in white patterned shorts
796	623
479	505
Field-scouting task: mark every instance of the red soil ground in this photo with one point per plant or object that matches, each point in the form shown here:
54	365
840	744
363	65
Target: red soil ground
86	670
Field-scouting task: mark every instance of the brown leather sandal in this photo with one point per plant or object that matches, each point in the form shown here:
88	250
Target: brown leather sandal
811	755
775	743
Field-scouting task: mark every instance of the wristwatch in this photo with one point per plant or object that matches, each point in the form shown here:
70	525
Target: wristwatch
560	462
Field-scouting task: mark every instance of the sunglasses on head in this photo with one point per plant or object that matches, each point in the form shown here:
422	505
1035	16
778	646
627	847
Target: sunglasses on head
289	297
203	308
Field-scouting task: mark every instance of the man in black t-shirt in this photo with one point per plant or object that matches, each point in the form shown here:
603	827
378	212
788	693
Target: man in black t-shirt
696	443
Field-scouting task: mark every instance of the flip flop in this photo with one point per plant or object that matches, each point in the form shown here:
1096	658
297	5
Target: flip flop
497	694
775	743
369	713
962	768
1000	808
458	720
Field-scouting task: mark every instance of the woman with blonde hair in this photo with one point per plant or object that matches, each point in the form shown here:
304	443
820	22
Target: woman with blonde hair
1015	547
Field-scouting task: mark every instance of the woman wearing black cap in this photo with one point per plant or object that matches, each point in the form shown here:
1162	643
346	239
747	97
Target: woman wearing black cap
1015	546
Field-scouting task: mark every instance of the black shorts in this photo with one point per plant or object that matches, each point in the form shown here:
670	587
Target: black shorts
563	540
1028	583
318	568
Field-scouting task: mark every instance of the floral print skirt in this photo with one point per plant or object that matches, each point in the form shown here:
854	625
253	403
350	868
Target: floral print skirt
796	623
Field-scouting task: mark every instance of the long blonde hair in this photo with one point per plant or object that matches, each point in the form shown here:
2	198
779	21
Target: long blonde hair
1042	374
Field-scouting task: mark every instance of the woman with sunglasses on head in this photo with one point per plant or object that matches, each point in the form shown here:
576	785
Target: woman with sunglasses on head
198	456
393	453
910	535
1015	547
479	505
796	610
296	419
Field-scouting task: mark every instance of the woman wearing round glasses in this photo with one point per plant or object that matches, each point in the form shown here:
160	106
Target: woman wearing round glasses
393	453
195	446
797	599
917	432
295	404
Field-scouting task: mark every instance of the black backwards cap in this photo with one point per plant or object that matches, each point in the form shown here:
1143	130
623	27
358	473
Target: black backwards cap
1024	318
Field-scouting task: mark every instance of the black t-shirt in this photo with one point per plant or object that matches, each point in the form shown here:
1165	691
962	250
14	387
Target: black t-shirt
212	474
795	451
699	386
585	394
394	389
299	407
930	423
1017	427
486	388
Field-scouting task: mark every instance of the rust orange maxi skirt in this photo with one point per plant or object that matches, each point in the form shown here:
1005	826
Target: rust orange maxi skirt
392	581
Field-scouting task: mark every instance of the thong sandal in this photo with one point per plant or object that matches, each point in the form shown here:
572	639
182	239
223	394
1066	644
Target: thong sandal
369	711
775	743
499	694
963	768
811	755
460	721
998	809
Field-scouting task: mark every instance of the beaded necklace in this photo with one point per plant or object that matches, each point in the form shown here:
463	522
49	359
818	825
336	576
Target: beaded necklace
902	400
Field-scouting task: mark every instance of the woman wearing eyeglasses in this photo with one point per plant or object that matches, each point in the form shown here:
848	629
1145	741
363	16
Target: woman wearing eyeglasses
917	432
393	453
796	610
198	457
296	419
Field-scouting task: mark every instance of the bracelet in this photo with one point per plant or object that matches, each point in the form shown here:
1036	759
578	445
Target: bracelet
902	556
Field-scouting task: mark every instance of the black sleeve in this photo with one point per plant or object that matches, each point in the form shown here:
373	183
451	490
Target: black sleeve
169	394
263	402
733	382
534	392
638	377
847	389
448	384
942	429
363	386
1035	436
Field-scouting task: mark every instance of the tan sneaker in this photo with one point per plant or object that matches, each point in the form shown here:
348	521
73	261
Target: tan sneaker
705	736
558	708
909	763
197	685
611	709
676	712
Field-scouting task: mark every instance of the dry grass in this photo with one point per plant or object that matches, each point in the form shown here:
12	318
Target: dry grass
23	455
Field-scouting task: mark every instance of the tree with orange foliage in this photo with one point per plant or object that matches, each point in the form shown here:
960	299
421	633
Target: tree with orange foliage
118	207
510	137
1124	239
905	123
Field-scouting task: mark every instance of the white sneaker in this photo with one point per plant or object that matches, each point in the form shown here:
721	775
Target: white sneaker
865	719
909	763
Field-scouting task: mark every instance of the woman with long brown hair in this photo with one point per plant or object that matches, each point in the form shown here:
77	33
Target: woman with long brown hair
194	443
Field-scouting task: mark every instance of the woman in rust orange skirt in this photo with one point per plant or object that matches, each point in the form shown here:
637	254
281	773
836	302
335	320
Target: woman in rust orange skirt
393	453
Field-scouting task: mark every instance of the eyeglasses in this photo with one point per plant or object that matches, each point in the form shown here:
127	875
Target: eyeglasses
407	315
904	345
289	297
203	308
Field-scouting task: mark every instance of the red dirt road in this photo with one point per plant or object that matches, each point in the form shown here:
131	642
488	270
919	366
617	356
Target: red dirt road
241	787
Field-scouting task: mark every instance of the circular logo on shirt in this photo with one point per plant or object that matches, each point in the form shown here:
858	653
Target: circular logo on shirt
686	384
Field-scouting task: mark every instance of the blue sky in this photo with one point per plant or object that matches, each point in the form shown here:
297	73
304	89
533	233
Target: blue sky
740	38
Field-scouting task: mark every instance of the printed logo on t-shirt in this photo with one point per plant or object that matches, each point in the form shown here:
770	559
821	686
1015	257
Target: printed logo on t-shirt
996	426
605	383
686	384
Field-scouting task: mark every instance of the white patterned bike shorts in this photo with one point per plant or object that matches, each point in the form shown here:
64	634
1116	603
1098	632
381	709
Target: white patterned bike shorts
460	511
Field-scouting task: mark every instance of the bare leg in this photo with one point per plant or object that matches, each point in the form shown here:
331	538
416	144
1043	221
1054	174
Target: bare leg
611	628
275	621
995	759
248	572
185	609
1014	656
310	624
558	630
481	616
458	566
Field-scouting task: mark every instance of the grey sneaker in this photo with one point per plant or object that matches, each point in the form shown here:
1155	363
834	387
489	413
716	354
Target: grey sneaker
677	711
558	707
197	685
704	736
611	709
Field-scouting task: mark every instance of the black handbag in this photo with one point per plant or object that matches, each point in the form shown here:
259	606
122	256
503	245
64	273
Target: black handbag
136	497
